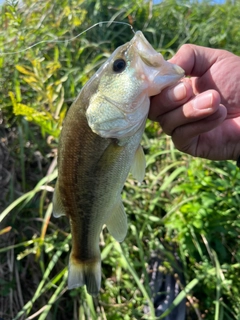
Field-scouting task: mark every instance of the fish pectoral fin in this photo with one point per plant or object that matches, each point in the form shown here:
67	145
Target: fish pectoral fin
139	165
117	223
58	209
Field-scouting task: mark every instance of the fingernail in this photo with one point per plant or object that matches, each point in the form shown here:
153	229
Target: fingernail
177	93
203	101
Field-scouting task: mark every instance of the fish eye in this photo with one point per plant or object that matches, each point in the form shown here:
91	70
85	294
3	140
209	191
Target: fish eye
119	65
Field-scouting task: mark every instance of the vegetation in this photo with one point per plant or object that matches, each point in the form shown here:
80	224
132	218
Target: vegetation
186	213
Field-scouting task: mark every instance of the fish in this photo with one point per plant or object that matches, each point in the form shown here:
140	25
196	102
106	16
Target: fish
99	145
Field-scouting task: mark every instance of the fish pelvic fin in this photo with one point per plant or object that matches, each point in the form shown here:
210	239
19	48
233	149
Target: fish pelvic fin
117	222
87	273
138	165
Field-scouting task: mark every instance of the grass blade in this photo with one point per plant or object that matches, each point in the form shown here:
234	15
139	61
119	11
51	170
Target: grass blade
180	297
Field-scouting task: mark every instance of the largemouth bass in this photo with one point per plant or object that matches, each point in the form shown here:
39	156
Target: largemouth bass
99	145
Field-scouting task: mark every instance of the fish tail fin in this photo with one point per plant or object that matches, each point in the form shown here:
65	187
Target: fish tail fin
85	273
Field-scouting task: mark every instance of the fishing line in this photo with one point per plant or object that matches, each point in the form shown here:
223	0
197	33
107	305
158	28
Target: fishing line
71	39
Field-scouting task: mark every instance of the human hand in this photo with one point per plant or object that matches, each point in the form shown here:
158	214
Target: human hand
202	113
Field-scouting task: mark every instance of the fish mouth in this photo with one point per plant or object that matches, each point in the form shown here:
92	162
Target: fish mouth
148	55
158	72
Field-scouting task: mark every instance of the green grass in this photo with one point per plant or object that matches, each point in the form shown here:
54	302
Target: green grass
187	210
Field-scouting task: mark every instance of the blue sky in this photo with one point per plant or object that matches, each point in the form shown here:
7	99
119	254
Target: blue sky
213	1
155	1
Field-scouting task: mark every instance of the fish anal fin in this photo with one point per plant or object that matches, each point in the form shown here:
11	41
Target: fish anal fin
58	209
139	165
117	223
87	273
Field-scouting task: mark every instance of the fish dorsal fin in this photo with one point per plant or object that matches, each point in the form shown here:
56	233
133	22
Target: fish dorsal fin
139	165
58	209
117	223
